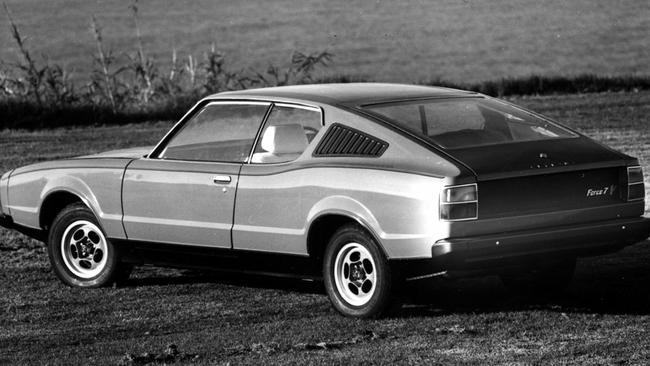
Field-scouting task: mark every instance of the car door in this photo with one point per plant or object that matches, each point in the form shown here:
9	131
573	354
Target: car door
184	192
270	210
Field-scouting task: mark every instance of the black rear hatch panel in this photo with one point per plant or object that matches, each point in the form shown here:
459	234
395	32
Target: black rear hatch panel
538	157
552	192
544	176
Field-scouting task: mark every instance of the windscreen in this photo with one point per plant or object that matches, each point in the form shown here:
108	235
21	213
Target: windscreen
465	122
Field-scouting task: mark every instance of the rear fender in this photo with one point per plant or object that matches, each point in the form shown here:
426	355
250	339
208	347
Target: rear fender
348	207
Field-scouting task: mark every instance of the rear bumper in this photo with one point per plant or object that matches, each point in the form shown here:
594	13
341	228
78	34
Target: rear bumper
494	252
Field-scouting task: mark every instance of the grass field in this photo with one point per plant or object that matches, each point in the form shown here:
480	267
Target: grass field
603	318
406	41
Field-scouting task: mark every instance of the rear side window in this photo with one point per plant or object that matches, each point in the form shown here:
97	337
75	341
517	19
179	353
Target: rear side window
466	122
222	132
288	131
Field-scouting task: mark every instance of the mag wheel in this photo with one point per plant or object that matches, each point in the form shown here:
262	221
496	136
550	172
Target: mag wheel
357	275
79	251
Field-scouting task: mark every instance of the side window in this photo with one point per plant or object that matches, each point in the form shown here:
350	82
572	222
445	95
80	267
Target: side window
219	132
288	131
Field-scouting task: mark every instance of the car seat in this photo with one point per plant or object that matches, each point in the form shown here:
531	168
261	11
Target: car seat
281	143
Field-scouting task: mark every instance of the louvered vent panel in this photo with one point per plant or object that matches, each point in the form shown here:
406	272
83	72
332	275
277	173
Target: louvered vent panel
345	141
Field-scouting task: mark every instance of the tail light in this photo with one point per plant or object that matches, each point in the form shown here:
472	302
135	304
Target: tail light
459	203
635	186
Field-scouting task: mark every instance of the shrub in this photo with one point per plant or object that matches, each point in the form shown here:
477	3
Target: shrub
126	87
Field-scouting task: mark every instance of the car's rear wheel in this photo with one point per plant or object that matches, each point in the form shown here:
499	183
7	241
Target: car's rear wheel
357	276
79	251
542	279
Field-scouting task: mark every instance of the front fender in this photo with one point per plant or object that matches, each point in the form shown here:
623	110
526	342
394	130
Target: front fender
4	193
98	188
73	185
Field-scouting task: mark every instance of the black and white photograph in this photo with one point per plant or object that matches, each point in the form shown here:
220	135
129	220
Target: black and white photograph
280	182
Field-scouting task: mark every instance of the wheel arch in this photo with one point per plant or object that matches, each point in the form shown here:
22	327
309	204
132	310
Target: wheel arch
325	225
54	202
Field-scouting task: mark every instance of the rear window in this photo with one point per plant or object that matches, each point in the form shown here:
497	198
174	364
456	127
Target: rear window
465	122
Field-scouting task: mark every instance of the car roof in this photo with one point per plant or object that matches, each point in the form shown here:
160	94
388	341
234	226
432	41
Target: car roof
349	93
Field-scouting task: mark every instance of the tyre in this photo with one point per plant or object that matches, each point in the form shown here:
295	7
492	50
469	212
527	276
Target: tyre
541	280
358	279
80	253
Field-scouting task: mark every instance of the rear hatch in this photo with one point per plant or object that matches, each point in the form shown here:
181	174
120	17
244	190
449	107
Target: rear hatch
545	176
524	163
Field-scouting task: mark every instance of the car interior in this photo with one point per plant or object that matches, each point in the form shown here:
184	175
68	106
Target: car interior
281	143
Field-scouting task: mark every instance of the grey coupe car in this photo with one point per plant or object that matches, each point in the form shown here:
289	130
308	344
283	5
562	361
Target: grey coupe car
363	185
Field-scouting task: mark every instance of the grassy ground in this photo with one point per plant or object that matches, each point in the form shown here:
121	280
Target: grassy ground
385	40
603	318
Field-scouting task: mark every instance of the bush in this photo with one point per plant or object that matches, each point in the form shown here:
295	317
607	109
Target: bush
128	87
131	87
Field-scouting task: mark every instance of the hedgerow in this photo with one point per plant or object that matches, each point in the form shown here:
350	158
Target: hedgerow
132	86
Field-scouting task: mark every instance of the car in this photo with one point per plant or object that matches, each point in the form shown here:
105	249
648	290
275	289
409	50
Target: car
362	185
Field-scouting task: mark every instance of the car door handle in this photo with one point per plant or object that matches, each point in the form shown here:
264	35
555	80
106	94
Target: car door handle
221	179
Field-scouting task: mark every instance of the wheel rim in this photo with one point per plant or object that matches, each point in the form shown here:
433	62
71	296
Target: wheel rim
84	249
355	274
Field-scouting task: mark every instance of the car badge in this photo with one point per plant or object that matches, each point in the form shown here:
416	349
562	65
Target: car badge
601	191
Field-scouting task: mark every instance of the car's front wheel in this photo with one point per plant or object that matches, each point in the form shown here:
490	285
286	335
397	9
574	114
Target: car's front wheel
79	251
357	276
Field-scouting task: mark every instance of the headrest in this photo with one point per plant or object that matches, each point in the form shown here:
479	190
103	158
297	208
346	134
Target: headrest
284	139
